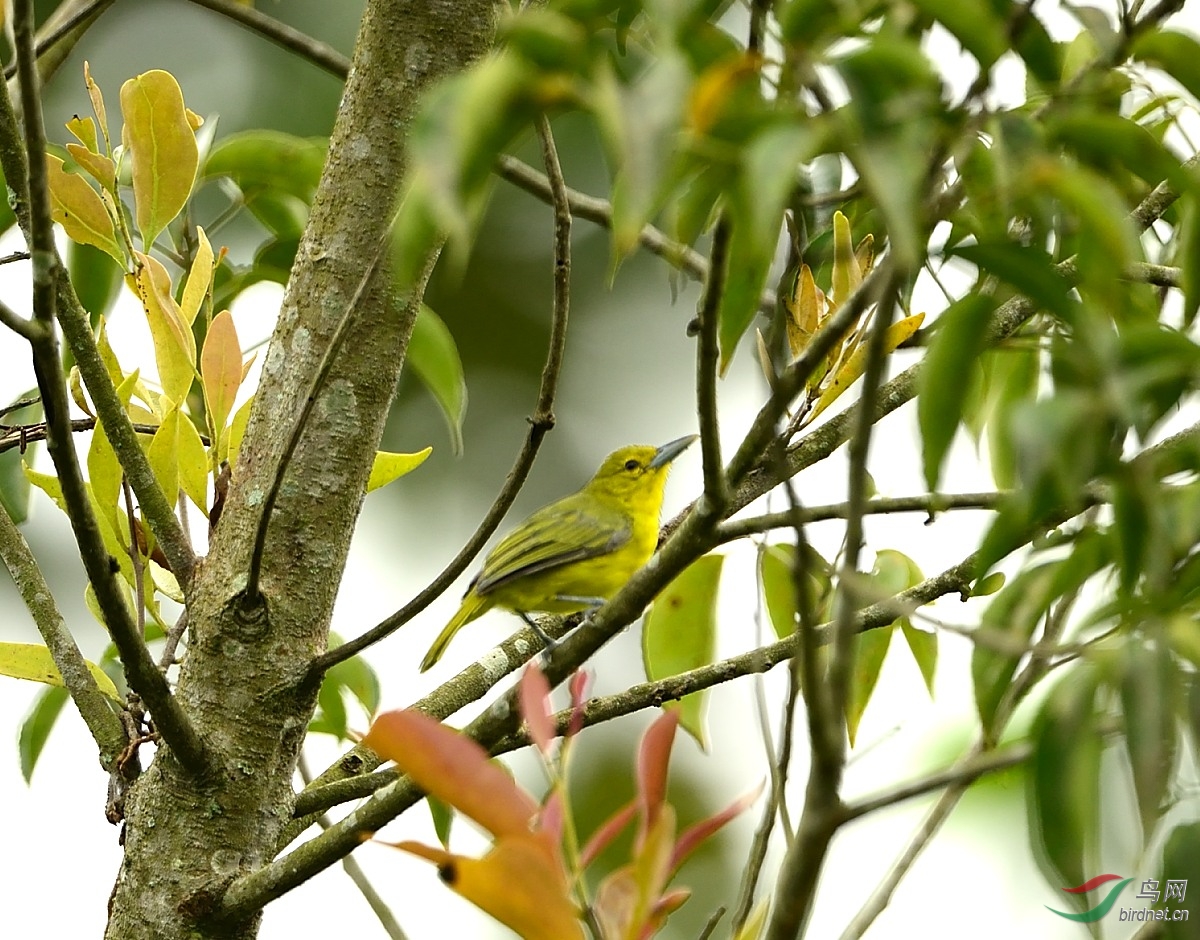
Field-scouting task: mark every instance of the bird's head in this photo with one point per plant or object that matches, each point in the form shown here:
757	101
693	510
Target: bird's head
637	470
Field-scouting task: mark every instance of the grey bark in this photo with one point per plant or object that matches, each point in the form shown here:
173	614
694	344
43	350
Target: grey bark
241	681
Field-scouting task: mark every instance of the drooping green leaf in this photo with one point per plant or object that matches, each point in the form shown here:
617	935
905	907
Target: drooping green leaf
36	728
952	359
1015	613
639	123
870	650
775	564
680	634
433	355
1149	689
1181	866
163	148
1062	793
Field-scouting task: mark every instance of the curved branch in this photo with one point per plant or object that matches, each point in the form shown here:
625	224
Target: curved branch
318	53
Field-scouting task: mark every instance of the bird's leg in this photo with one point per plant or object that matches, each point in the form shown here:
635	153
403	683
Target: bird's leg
590	604
547	640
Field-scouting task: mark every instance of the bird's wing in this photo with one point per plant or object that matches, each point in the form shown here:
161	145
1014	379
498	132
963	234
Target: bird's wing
566	531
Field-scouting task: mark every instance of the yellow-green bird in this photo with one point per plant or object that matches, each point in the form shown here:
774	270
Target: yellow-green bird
577	552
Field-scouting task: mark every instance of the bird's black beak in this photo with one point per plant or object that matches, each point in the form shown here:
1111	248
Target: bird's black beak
668	452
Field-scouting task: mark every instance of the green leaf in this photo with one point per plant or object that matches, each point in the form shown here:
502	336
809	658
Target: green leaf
1109	142
389	467
1063	785
639	124
1015	376
433	355
973	23
1030	270
95	277
32	661
1181	862
779	589
262	160
959	337
1149	689
680	634
442	816
162	145
923	644
764	185
14	485
1176	53
36	728
1009	623
356	676
870	650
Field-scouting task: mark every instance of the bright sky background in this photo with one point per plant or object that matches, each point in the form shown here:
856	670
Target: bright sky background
977	879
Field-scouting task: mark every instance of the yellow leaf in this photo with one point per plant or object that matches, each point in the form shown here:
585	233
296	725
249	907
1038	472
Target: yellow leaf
764	358
107	356
174	345
193	464
97	104
805	309
164	453
199	279
220	369
850	372
846	273
517	882
389	467
84	130
163	148
80	211
75	384
33	661
753	927
237	430
101	168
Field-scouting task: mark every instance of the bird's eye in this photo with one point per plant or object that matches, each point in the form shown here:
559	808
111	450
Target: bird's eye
631	465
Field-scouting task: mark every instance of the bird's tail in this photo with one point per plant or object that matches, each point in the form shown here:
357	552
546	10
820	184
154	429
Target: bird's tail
472	606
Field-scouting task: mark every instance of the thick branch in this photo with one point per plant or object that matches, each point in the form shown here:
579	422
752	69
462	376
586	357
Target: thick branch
319	53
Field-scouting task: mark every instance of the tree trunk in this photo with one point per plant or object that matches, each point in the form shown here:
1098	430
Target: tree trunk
186	838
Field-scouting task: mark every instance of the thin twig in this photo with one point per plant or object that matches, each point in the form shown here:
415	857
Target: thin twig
318	53
707	364
931	503
964	773
540	423
594	209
